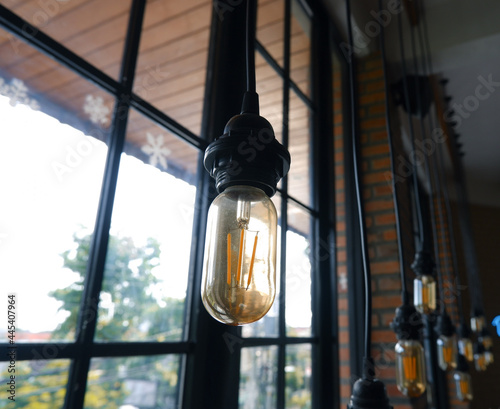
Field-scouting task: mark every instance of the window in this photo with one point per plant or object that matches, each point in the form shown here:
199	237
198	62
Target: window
106	111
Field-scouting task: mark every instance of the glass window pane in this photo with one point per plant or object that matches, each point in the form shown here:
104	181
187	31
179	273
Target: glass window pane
40	383
52	157
172	61
258	373
299	176
145	382
298	273
270	90
298	369
147	263
270	27
94	30
268	326
300	47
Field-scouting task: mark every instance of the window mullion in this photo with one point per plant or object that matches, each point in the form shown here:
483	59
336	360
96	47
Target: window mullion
77	378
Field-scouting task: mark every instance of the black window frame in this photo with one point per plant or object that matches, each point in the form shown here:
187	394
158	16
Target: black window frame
211	364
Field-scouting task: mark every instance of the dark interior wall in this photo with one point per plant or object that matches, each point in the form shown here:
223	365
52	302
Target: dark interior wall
486	230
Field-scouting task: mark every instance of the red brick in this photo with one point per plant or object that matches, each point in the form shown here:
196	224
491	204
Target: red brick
389	283
344	371
386	301
378	205
375	150
373	62
383	219
367	99
382	163
377	109
386	372
344	354
374	123
371	75
383	190
384	267
343	321
387	318
387	250
342	304
374	86
343	337
374	177
390	235
345	391
341	241
341	256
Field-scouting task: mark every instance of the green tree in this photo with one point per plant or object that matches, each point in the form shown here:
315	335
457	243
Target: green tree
129	310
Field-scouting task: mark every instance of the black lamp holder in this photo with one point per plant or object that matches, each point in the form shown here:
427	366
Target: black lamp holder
423	264
444	326
247	153
407	323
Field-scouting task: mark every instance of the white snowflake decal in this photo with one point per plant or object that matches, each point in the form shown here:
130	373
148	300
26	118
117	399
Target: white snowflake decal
156	150
17	93
96	110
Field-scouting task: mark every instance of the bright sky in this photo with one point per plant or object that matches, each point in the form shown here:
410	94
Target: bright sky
50	183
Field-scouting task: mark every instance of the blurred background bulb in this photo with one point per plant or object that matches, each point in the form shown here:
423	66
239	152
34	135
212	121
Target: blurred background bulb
463	386
477	323
410	368
239	273
424	293
447	352
466	348
480	357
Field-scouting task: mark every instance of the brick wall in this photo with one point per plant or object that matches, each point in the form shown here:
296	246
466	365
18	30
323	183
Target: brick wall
381	229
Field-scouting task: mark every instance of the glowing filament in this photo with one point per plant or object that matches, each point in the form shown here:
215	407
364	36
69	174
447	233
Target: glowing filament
410	367
252	261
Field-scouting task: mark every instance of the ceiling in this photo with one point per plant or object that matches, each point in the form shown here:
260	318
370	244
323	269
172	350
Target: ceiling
464	39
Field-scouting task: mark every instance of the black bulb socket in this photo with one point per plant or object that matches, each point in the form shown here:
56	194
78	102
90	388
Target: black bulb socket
462	364
444	326
464	331
247	153
407	323
423	264
369	394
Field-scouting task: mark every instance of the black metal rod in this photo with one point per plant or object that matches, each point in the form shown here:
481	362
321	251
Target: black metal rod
357	180
87	319
402	264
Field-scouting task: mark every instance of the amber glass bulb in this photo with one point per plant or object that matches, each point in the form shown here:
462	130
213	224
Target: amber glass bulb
463	385
424	294
239	274
477	323
466	348
410	368
480	361
488	357
447	352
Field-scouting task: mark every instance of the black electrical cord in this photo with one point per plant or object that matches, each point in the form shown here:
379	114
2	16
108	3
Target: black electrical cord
439	173
433	196
364	249
416	189
402	265
473	277
250	46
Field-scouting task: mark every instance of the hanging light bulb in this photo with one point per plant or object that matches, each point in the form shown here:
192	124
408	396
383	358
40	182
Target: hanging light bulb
239	272
446	342
239	283
465	345
424	284
477	322
463	382
485	338
480	357
410	362
488	356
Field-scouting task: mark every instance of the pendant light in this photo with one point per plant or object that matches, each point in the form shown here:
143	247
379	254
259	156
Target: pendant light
407	324
239	270
367	392
463	381
447	348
